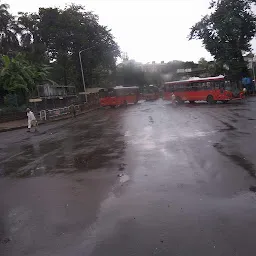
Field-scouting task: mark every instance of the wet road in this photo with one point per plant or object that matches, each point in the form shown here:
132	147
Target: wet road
148	179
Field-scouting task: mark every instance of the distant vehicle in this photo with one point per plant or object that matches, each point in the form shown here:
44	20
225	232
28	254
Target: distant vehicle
119	96
210	89
150	93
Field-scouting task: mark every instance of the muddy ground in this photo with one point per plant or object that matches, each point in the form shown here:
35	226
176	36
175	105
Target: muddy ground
149	179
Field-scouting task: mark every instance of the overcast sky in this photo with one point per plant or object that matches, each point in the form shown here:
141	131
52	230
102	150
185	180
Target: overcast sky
148	30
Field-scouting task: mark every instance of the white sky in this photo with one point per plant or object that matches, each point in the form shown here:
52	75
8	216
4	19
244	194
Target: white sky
148	30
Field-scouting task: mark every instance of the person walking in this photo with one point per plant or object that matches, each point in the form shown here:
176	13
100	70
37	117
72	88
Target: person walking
31	120
173	98
73	110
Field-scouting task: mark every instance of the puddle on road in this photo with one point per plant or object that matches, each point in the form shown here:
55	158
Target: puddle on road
239	109
150	118
96	158
237	158
229	127
68	155
124	178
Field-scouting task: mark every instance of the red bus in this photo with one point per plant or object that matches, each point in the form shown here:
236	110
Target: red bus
210	89
119	96
150	93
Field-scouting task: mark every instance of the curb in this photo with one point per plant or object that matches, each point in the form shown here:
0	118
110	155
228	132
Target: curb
47	121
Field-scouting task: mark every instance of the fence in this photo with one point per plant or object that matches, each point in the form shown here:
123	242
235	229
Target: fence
58	112
52	108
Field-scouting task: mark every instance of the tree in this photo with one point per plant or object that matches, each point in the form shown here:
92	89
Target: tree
21	77
31	40
226	33
130	74
8	31
211	68
66	32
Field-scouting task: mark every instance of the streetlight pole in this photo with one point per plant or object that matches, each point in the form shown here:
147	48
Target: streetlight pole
82	70
253	71
81	65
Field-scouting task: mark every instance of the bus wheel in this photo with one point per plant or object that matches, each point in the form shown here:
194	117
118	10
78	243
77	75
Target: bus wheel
210	99
192	101
225	101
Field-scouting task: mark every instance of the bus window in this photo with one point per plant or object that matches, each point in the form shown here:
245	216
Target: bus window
111	93
180	88
227	86
195	86
217	85
206	86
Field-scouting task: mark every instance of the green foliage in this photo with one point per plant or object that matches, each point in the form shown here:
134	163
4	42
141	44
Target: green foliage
8	31
54	37
20	76
211	68
226	33
130	74
65	32
30	37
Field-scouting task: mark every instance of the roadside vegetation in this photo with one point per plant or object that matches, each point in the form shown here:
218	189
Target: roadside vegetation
227	33
45	45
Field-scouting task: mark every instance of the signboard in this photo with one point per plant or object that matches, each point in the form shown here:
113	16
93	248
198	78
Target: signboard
187	70
35	100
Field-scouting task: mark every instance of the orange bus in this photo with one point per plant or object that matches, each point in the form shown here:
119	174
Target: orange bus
210	89
150	93
119	95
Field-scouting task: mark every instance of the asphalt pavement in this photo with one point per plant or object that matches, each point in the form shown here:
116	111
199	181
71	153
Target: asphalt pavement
149	179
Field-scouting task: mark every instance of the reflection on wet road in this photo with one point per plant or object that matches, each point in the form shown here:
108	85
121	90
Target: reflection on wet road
148	179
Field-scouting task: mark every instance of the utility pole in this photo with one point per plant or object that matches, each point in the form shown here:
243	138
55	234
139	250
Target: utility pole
253	71
82	70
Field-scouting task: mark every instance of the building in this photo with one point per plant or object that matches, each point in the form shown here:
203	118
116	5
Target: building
153	67
51	90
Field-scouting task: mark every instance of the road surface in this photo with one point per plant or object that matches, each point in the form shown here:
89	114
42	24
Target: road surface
149	179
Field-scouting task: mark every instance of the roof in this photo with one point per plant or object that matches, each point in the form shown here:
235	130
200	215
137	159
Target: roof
91	90
125	87
206	79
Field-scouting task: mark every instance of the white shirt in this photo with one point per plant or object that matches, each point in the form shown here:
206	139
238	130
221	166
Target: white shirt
31	116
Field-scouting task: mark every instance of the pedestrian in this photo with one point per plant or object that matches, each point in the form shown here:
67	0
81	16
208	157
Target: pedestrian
73	110
31	120
173	99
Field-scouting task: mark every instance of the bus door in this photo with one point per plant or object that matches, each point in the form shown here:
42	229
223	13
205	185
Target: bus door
219	90
168	90
132	95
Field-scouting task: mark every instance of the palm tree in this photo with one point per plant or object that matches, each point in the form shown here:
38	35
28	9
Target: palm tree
18	76
15	76
9	30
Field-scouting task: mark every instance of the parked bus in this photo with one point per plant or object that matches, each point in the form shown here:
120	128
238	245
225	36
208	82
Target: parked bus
150	92
211	89
119	96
